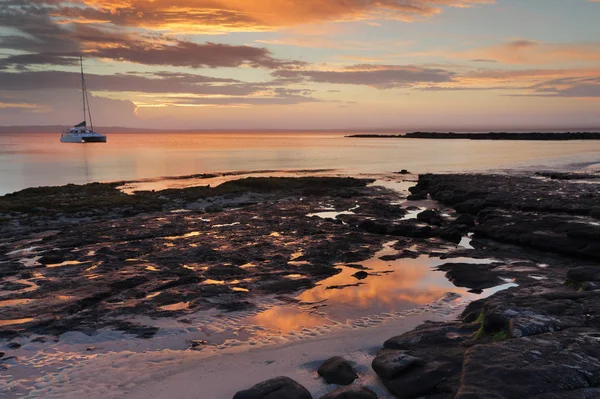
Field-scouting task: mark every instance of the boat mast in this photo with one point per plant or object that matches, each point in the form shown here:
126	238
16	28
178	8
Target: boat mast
86	101
83	89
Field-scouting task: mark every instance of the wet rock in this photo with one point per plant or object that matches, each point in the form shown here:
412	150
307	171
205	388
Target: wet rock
356	266
275	388
388	258
403	172
590	286
559	362
12	286
341	287
221	272
351	392
360	275
585	393
374	227
418	196
475	276
472	311
389	364
584	273
337	370
214	208
196	344
530	323
411	229
129	283
472	206
431	335
419	381
286	285
465	219
430	217
452	234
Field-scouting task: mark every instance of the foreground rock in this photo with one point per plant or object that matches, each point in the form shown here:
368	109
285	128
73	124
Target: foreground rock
351	392
538	339
275	388
337	370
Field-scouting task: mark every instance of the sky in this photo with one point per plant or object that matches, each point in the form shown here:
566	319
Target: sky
302	64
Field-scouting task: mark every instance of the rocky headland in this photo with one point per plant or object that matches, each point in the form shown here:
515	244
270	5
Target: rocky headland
540	136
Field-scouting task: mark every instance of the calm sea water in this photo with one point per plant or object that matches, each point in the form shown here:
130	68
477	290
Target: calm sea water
29	160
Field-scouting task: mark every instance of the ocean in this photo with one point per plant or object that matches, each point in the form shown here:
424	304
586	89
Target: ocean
39	159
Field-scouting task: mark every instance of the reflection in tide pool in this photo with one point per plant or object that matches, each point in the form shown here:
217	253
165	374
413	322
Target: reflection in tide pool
287	319
391	286
14	321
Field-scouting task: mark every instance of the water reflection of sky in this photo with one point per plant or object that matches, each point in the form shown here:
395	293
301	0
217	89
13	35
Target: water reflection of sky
392	286
42	160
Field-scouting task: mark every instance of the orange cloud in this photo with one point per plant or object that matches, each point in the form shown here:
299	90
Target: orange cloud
249	15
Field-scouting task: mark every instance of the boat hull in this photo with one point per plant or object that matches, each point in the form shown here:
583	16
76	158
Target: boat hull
101	139
83	138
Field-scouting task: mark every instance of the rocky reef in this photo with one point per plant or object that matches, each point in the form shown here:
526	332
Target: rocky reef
538	339
82	256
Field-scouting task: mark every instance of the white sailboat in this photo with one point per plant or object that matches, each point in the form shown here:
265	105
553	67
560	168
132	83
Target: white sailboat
80	132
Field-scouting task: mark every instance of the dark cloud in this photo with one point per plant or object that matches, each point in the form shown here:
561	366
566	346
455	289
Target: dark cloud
34	31
161	82
379	76
231	101
568	87
466	88
188	54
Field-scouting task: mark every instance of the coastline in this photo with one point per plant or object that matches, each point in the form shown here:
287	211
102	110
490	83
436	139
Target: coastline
429	237
535	136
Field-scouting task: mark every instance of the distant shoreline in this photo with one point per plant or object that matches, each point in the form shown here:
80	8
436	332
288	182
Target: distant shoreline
488	136
384	132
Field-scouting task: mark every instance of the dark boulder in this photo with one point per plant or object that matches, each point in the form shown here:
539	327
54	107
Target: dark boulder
430	217
420	381
584	273
451	234
337	370
390	363
360	275
464	219
431	335
417	196
275	388
474	276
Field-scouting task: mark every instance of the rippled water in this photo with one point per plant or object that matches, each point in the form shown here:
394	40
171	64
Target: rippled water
28	160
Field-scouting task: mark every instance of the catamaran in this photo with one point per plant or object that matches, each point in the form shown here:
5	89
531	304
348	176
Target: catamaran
80	132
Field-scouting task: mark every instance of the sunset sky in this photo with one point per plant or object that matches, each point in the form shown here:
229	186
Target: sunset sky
302	64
